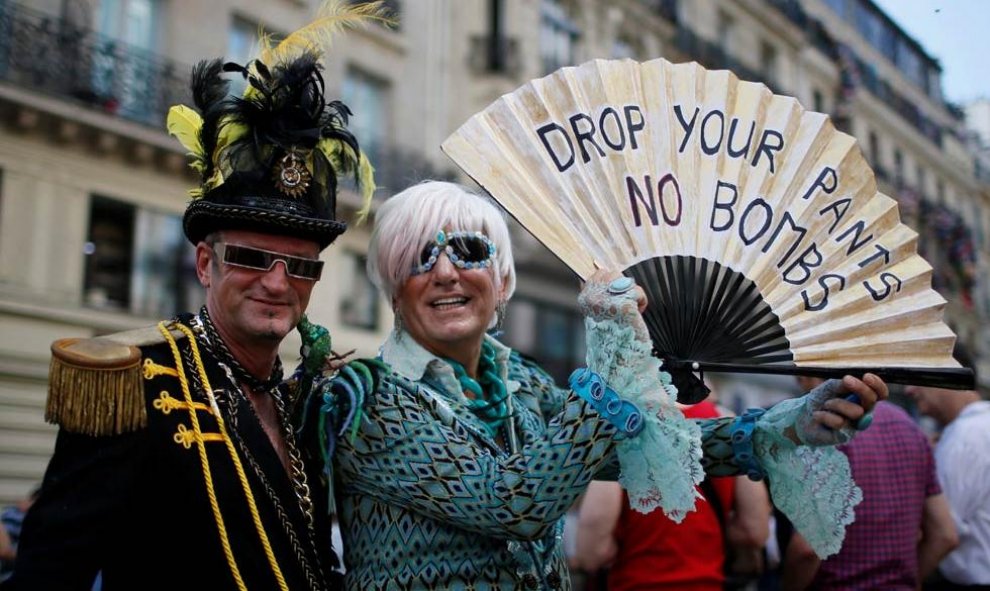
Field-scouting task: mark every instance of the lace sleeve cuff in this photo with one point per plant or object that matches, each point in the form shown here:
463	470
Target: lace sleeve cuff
813	486
661	465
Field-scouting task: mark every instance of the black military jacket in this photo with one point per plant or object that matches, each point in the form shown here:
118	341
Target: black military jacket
166	508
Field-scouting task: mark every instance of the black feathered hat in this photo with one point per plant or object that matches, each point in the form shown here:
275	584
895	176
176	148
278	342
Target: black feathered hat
269	160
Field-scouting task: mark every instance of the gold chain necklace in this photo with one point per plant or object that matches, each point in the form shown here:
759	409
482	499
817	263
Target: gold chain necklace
297	473
297	470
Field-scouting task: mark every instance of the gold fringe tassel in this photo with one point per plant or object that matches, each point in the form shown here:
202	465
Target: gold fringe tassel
95	389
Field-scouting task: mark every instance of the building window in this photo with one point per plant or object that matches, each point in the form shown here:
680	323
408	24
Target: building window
839	6
138	261
551	334
723	32
129	38
359	302
818	99
911	63
898	166
243	45
921	180
622	49
874	144
768	64
367	97
558	36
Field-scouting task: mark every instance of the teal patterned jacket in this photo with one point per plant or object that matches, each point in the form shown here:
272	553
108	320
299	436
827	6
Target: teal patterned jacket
428	500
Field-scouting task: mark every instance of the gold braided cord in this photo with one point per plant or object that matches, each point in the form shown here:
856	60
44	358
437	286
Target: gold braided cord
151	370
245	485
186	438
210	492
166	404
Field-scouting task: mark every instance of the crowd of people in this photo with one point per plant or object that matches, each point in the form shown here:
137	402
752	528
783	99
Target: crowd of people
187	457
922	523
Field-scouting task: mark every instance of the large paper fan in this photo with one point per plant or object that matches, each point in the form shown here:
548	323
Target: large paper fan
755	226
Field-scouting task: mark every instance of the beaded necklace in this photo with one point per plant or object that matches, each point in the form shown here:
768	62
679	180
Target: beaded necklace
493	409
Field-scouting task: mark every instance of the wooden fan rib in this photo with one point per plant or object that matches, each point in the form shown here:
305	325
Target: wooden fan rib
586	86
925	305
899	347
712	328
556	95
870	262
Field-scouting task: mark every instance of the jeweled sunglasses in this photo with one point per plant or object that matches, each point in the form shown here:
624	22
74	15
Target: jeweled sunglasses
466	250
257	259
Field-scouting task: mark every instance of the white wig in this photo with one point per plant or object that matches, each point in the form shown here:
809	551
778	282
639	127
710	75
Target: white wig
407	222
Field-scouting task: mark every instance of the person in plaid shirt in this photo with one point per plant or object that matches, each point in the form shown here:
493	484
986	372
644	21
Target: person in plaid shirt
892	462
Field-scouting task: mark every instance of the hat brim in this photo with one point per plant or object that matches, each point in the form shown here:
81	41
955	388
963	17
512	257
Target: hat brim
205	217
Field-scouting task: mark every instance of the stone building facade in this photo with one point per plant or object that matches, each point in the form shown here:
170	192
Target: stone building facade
92	189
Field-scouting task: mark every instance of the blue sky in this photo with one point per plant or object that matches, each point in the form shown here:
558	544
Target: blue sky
957	33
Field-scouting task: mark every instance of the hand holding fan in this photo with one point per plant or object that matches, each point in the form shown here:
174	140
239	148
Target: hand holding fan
754	226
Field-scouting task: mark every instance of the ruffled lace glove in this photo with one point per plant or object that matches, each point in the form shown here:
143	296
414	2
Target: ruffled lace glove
661	465
811	483
813	433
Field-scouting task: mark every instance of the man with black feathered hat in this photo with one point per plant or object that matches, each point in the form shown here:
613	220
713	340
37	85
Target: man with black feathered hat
176	465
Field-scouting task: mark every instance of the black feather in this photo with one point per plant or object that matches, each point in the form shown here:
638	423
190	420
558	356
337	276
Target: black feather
209	90
263	70
285	112
208	87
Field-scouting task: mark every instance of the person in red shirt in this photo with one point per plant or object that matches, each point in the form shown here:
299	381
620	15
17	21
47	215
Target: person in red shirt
650	551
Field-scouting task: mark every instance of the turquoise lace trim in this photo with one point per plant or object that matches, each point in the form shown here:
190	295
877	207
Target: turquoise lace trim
660	467
813	486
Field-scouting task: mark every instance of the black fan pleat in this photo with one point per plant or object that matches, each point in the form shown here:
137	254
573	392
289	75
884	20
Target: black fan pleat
701	310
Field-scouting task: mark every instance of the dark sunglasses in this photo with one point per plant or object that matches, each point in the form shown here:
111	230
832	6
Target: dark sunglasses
263	260
466	250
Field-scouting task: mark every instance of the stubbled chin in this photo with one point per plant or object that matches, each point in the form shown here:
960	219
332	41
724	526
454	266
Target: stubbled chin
273	322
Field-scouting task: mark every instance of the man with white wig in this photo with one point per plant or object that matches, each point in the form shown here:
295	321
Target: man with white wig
454	459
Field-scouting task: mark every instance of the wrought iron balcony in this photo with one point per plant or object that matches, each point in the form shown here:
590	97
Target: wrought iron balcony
714	57
53	56
495	55
857	72
665	8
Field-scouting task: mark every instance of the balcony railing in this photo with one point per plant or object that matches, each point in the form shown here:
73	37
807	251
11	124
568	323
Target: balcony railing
665	8
714	57
857	72
55	57
495	55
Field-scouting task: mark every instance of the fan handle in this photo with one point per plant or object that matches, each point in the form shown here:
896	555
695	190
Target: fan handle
952	378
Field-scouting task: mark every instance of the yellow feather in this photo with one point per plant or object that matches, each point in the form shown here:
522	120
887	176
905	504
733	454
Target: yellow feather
333	16
366	173
229	132
331	149
214	181
184	124
340	156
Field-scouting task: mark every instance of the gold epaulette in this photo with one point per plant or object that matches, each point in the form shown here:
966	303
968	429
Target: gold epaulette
94	385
